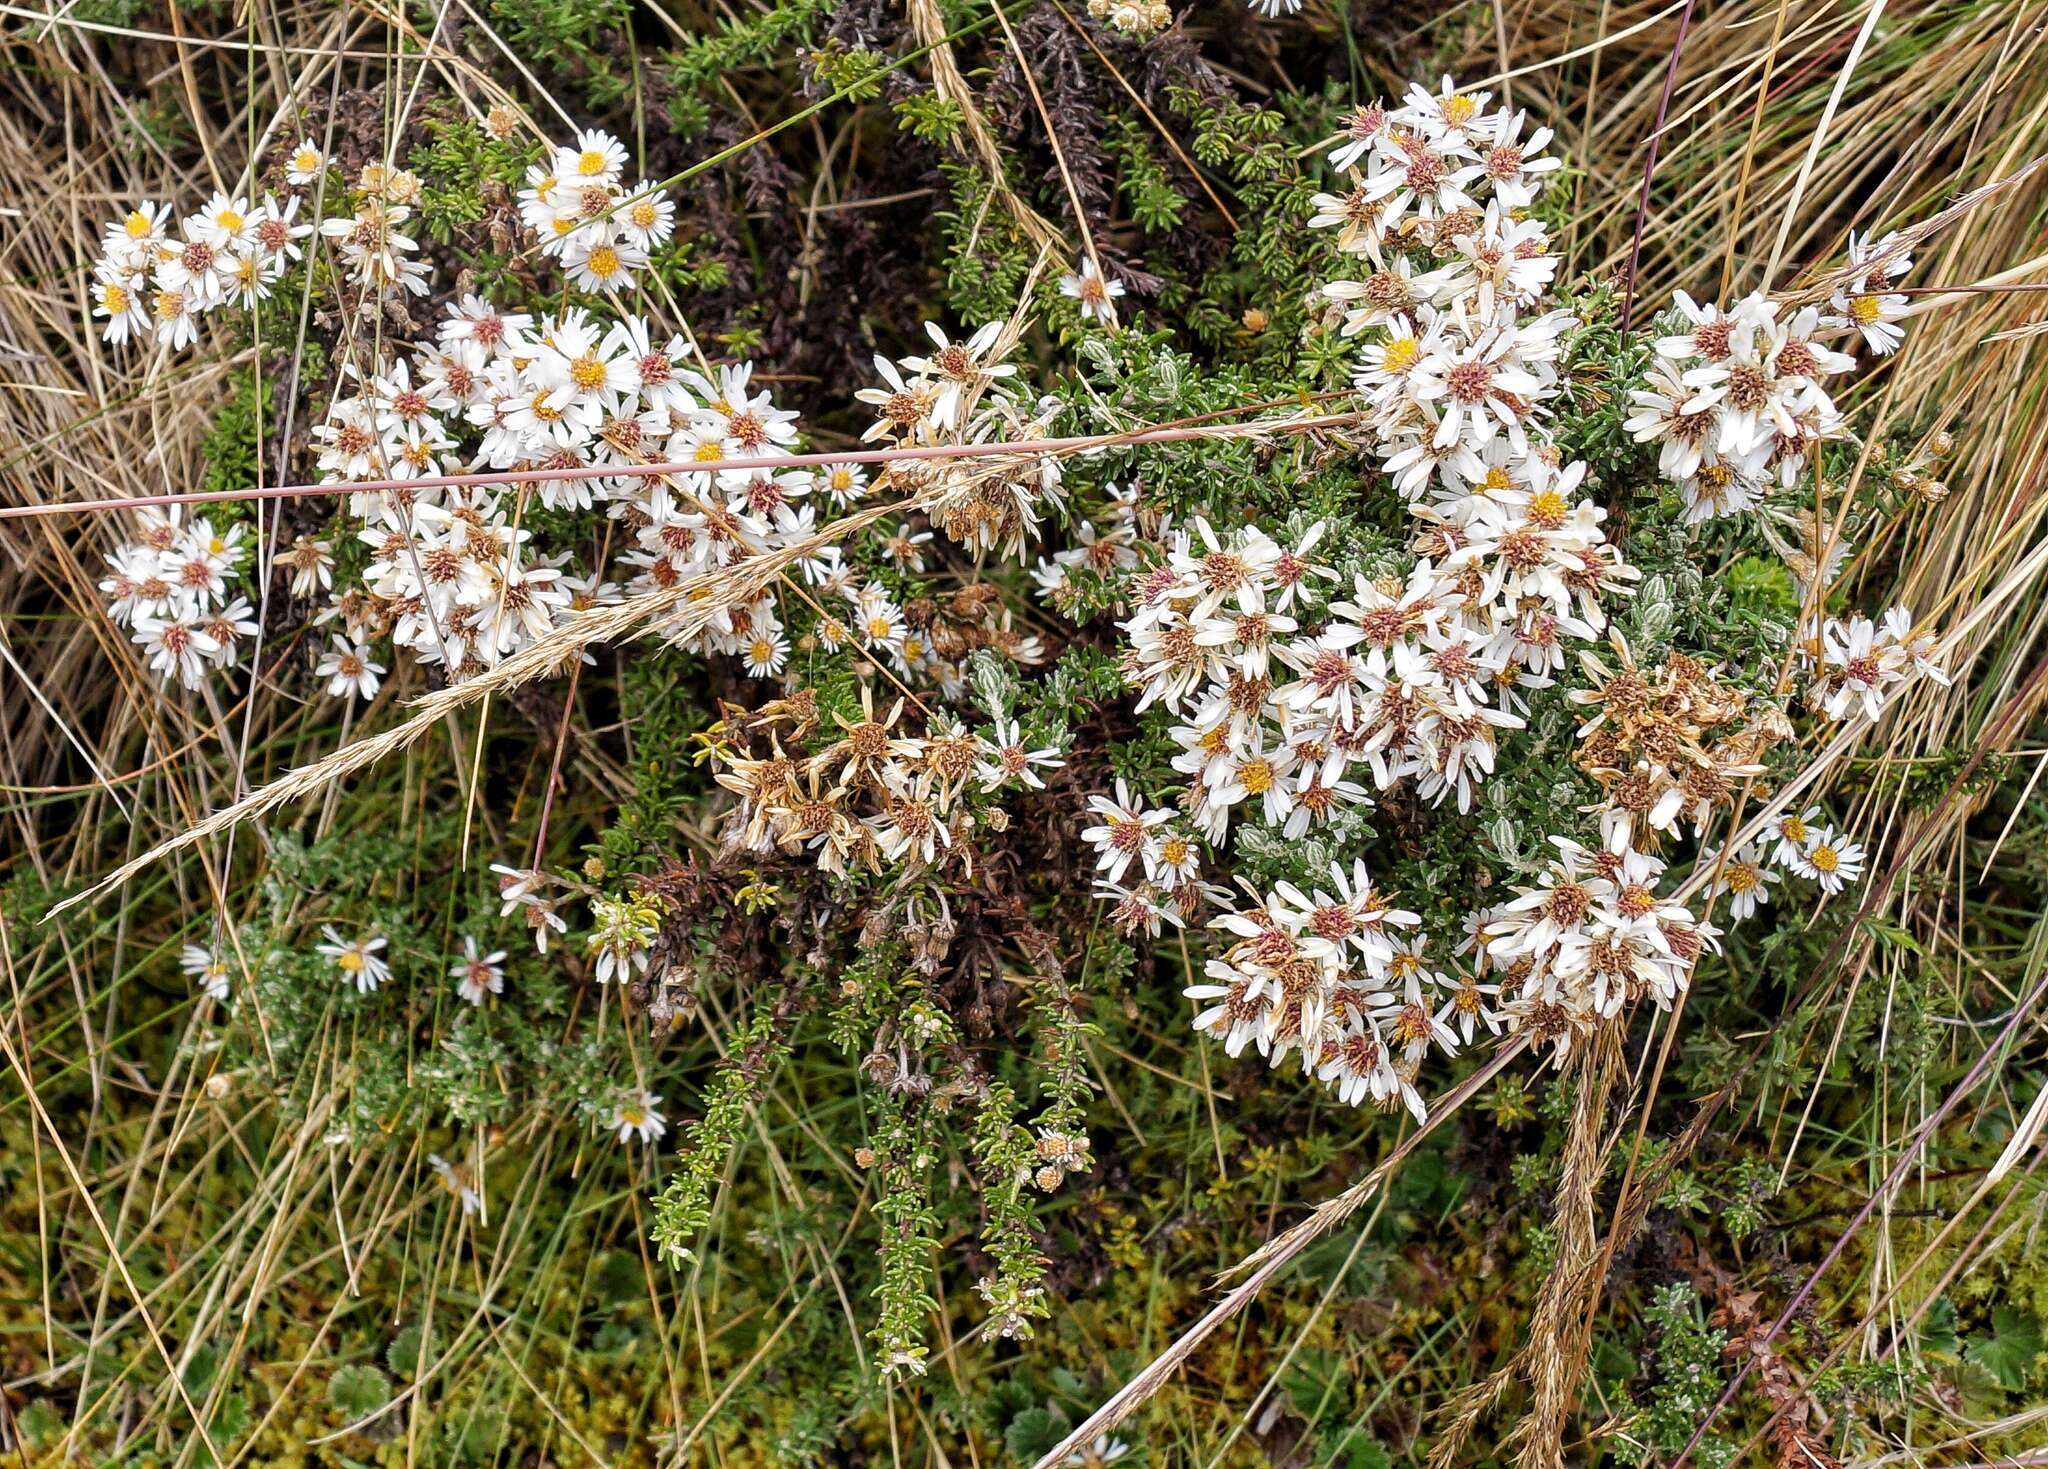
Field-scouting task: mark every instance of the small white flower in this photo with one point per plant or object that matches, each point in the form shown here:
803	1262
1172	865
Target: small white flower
1104	1450
597	157
305	164
349	671
1006	758
1123	832
639	1116
178	647
766	652
478	974
456	1181
1795	833
121	298
206	966
356	958
1831	860
1097	295
1746	881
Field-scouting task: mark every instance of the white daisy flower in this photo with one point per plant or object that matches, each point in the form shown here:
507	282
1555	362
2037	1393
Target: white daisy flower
305	164
206	966
349	670
1097	296
1830	859
639	1116
476	973
356	958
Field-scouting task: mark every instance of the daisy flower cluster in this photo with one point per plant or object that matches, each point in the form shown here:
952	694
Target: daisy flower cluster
457	577
963	392
870	793
156	276
178	589
1303	695
1737	399
1301	699
1736	402
1737	405
1861	664
1461	363
577	204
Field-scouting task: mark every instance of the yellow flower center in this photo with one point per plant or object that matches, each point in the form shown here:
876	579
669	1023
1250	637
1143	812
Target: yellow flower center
1400	354
228	220
1458	110
708	453
116	300
137	225
1825	859
305	160
604	262
590	163
1547	508
349	962
1864	310
586	371
545	411
643	215
1257	775
1497	479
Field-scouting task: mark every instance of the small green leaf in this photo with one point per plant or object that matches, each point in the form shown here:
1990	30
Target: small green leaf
357	1392
1033	1432
39	1423
1938	1334
2009	1354
403	1355
201	1369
